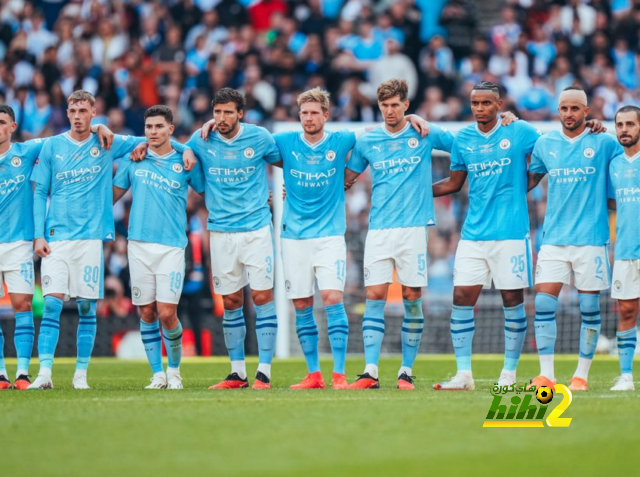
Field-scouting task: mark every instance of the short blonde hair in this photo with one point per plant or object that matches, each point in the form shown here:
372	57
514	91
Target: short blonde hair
315	95
393	87
81	95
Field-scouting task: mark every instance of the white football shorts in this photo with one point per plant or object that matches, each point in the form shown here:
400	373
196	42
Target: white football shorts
74	268
589	264
16	267
404	248
157	272
507	263
626	280
242	258
304	261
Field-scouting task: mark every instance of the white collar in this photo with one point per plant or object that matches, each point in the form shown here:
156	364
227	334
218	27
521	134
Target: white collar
632	158
314	145
231	140
397	133
574	139
164	156
490	133
77	143
2	156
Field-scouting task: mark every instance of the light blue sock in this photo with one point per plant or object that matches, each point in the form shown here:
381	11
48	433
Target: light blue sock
49	331
591	324
462	331
173	344
515	329
266	331
412	327
152	344
338	328
235	330
546	328
627	341
307	331
3	367
86	332
373	330
23	339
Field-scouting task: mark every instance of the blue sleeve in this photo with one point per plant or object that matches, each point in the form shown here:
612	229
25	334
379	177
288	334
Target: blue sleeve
348	139
39	210
42	171
123	145
33	149
617	149
271	153
358	162
457	161
528	136
196	178
611	190
179	147
537	164
441	137
122	179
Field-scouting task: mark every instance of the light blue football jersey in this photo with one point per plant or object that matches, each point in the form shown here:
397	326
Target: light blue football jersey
79	177
160	186
314	180
625	188
496	164
401	174
578	171
235	172
16	193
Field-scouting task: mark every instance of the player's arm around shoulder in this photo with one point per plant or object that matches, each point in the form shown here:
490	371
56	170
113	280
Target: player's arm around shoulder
271	151
537	168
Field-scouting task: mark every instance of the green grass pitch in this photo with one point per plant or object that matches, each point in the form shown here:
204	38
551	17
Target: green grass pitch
118	429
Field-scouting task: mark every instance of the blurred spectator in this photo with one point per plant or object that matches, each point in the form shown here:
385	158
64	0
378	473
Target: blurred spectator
115	304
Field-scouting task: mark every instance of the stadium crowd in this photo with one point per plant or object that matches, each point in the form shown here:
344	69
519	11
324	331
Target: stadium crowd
133	54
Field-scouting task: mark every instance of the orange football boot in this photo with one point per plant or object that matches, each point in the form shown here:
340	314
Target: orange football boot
4	383
261	382
312	381
539	381
339	381
578	384
233	381
365	381
406	382
22	382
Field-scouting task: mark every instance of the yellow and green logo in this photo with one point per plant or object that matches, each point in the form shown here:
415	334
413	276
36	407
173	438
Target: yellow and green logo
526	406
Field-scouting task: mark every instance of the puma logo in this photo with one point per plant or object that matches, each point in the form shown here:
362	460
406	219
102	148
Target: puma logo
554	154
213	153
296	155
378	148
58	156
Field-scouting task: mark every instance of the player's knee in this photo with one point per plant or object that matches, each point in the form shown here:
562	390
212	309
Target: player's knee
147	314
461	297
86	307
261	297
233	302
168	319
22	304
628	315
378	293
331	297
511	298
303	303
411	293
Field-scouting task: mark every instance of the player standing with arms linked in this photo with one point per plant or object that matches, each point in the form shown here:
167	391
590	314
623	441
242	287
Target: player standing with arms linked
575	234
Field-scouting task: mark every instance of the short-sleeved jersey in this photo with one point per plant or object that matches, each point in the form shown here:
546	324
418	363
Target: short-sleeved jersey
624	173
78	176
16	193
578	170
314	180
401	174
236	189
496	165
160	186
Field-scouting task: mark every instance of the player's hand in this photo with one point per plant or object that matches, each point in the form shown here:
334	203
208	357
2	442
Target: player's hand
41	248
349	185
508	118
105	136
419	124
139	152
209	126
595	126
188	159
270	199
284	192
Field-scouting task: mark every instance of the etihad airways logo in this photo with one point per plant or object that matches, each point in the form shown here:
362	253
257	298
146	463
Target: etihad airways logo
397	164
489	165
11	182
82	173
232	174
628	194
566	175
157	179
313	176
